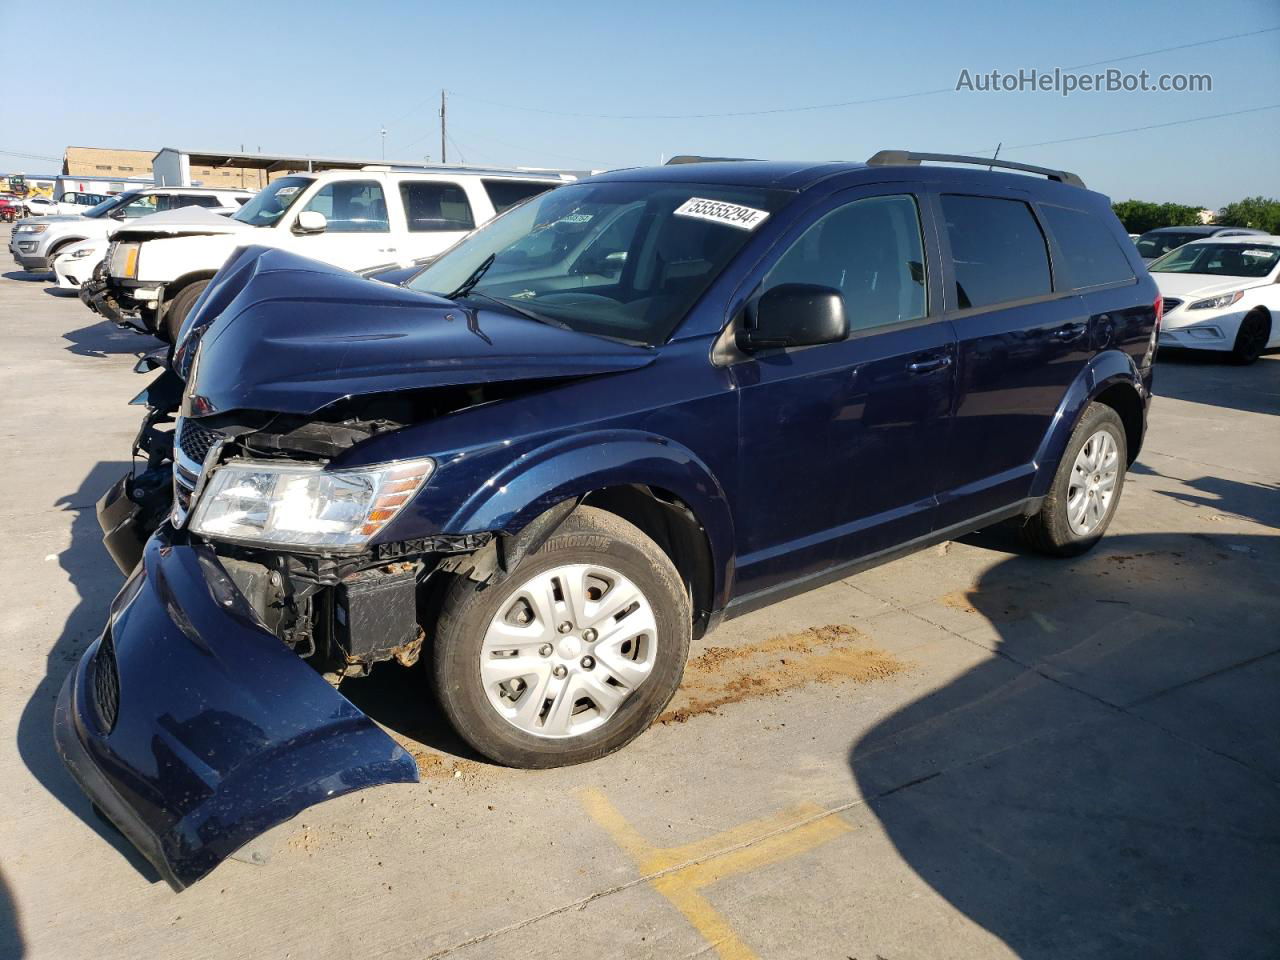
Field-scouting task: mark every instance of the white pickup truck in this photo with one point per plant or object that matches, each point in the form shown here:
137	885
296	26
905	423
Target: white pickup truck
361	220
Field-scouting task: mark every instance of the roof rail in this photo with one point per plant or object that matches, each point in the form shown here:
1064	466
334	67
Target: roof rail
692	158
473	169
897	158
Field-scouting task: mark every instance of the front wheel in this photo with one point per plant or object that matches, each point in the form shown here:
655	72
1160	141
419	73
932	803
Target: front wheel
180	307
1251	339
1086	488
573	655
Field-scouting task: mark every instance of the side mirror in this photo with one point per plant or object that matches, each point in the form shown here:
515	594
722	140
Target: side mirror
310	221
117	213
794	315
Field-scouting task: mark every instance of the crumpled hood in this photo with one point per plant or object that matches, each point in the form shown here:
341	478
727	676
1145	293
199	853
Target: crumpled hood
194	221
283	333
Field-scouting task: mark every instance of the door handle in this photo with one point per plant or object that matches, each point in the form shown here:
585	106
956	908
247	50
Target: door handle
1069	332
929	364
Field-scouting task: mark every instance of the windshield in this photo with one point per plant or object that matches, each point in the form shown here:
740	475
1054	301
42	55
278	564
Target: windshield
109	204
1157	244
270	203
1220	260
621	260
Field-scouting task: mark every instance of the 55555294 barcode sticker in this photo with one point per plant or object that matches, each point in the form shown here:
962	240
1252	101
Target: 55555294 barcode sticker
717	211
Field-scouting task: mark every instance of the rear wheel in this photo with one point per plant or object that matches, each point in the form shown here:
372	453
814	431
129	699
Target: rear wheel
1251	338
179	307
1086	488
573	655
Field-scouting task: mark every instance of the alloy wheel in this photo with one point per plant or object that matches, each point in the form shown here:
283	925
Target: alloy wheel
1092	483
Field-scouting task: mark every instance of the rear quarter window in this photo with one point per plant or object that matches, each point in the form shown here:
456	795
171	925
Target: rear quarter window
505	194
997	250
1094	256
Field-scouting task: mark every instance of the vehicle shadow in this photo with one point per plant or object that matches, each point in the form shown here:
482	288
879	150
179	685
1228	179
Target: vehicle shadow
1203	377
42	277
103	339
401	700
1248	500
1107	782
96	580
12	946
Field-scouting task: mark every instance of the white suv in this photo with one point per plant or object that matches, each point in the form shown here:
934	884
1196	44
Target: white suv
36	241
362	220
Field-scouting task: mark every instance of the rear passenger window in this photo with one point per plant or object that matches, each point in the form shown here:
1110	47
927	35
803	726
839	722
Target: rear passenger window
352	206
505	194
870	250
997	249
1093	255
430	206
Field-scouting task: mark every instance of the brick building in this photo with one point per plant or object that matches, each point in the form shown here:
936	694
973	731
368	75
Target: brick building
109	162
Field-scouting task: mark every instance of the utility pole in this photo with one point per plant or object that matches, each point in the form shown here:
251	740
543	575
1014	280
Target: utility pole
444	157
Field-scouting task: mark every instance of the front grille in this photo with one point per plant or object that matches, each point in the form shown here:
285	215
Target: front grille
196	441
1170	304
106	683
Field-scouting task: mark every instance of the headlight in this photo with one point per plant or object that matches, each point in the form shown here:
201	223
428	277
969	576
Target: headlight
1216	303
305	505
32	228
123	260
81	254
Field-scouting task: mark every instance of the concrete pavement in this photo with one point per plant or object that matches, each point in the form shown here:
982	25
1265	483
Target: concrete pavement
972	752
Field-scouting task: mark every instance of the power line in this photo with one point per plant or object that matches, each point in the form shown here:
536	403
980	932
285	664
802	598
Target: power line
29	156
836	104
1116	133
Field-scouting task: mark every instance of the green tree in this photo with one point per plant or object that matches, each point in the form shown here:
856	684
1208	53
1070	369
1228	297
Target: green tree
1261	213
1139	216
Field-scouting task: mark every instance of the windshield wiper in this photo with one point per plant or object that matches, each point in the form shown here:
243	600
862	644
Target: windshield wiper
551	321
469	284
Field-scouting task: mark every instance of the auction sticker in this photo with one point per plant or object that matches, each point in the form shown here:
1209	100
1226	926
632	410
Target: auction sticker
717	211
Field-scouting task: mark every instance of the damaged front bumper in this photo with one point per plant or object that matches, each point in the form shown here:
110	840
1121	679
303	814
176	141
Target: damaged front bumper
194	729
101	296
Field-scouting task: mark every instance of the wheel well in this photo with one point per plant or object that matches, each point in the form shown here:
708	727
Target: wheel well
1124	400
1263	312
172	289
62	245
666	520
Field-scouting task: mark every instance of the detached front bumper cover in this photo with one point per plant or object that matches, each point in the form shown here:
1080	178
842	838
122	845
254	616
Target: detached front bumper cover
194	729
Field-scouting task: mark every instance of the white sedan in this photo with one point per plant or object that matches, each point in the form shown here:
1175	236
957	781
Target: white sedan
1221	294
74	265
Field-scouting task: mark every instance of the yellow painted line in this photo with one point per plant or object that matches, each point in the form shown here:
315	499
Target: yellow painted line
678	873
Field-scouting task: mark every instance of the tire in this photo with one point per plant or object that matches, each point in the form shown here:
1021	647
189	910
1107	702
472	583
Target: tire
592	550
1055	529
1251	338
179	307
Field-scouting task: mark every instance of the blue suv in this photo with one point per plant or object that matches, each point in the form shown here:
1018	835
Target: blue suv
549	460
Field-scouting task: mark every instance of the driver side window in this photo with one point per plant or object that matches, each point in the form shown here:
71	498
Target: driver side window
139	207
871	251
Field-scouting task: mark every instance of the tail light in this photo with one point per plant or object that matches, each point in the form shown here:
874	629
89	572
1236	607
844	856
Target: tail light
1159	305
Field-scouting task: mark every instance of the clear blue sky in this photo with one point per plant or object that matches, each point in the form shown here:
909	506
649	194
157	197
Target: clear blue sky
321	77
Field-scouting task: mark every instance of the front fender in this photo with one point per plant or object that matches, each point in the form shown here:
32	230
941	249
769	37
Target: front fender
576	465
1104	371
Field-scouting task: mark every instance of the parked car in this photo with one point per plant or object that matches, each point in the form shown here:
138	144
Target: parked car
366	220
74	265
1156	243
35	243
586	434
1222	294
11	208
40	206
73	203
